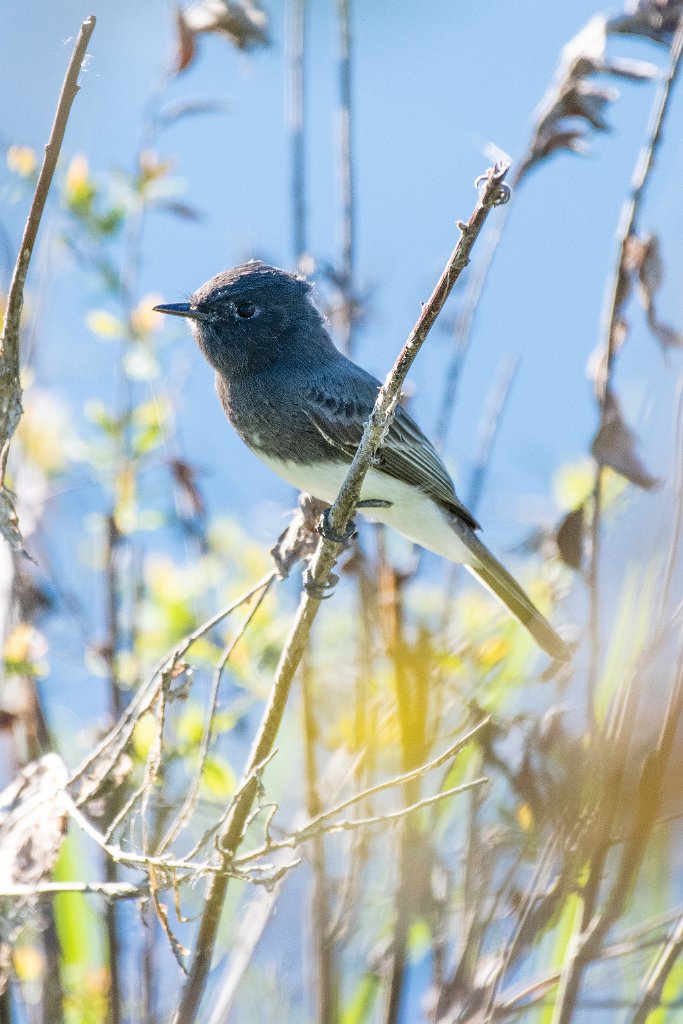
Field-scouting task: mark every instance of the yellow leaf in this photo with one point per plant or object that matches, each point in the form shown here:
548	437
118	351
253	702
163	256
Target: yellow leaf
525	817
22	160
105	324
219	777
143	319
574	483
144	735
77	174
151	167
493	650
125	514
45	432
25	643
29	963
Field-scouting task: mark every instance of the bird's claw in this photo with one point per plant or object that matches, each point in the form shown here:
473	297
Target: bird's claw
320	591
373	503
326	531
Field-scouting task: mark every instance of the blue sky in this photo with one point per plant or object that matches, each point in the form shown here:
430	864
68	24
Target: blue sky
431	89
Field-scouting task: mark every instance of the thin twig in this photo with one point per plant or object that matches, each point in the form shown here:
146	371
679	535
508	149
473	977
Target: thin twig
346	176
628	227
297	32
190	801
492	192
649	794
249	930
678	514
653	985
321	820
10	385
321	936
117	738
117	890
322	825
465	320
489	426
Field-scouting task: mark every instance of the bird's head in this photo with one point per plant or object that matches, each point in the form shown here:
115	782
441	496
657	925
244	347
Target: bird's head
252	317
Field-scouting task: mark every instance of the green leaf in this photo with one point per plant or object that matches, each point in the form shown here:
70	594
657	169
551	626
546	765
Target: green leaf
81	938
362	1001
218	777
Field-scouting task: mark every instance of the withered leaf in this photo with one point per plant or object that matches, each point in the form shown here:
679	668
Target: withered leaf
636	70
650	269
647	260
241	21
185	476
552	142
301	537
183	210
651	19
190	108
614	446
33	819
571	536
185	51
667	337
587	102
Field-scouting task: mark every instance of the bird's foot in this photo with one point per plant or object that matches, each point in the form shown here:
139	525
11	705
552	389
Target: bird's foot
320	591
326	531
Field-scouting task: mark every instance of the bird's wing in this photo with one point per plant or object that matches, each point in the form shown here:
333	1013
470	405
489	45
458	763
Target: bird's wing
406	454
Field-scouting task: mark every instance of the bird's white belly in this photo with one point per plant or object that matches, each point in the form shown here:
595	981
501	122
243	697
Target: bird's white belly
411	513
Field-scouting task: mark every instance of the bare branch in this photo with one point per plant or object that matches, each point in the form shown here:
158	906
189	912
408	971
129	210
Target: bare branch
655	980
105	755
10	385
324	821
493	192
111	890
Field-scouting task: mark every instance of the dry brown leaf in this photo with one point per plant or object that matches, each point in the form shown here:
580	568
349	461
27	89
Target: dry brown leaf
650	269
185	49
301	537
33	819
614	446
652	19
667	337
185	476
571	536
240	21
646	259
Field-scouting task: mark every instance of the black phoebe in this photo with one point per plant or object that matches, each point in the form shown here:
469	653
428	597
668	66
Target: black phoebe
300	405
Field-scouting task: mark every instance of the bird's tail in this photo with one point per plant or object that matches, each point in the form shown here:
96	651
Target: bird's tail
499	581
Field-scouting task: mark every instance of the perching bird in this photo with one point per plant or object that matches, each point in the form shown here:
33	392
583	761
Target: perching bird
301	406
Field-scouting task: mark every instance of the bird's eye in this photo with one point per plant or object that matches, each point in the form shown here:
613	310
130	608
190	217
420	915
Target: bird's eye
245	310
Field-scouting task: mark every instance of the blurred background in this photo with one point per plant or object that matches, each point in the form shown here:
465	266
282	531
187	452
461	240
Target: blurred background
144	513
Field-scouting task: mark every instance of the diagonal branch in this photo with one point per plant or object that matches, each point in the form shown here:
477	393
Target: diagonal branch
493	192
10	385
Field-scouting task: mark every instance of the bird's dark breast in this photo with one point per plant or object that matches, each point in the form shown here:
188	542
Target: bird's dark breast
270	421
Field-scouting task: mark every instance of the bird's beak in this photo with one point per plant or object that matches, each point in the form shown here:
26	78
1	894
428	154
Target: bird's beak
180	309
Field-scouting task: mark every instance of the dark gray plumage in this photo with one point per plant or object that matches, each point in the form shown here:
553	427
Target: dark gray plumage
301	406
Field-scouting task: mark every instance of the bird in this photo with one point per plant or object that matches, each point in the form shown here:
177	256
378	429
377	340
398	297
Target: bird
300	405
